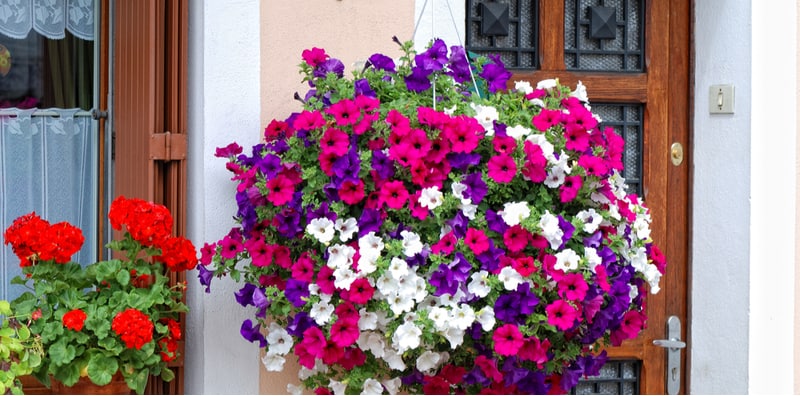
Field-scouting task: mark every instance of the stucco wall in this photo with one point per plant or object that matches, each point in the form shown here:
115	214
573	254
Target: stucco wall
224	105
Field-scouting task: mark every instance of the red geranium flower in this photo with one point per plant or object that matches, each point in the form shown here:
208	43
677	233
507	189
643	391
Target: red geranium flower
74	319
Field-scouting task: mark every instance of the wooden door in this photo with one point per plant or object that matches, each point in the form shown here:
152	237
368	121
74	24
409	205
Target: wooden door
149	117
634	61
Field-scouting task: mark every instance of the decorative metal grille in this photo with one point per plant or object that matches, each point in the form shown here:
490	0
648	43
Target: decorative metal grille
604	35
627	120
617	377
518	49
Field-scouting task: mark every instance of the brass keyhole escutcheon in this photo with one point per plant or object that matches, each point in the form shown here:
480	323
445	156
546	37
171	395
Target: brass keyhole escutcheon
676	153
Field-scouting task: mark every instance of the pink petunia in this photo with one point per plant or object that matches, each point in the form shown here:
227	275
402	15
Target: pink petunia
360	291
594	166
577	139
282	256
394	194
446	245
396	119
345	112
546	118
535	351
314	340
344	332
280	189
489	368
314	56
464	134
308	120
230	247
419	143
572	287
561	314
504	144
569	190
516	238
325	280
417	210
502	168
632	323
367	104
207	253
351	192
476	240
260	252
525	265
347	311
334	141
507	340
303	268
440	147
402	153
326	161
332	353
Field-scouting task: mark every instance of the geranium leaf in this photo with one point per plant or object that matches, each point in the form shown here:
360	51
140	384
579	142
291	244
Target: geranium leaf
102	368
62	354
123	277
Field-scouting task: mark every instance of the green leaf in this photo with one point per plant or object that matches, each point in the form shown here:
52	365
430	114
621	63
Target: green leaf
68	375
123	277
102	368
138	380
5	307
61	354
167	374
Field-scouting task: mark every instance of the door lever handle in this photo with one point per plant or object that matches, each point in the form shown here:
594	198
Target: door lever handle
671	343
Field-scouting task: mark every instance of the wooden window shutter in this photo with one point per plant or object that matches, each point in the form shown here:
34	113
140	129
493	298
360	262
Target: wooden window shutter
150	91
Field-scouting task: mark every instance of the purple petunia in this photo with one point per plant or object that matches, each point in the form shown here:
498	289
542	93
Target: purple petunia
418	80
331	65
381	62
495	74
253	333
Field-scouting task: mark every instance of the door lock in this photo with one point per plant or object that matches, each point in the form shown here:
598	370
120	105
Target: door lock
674	345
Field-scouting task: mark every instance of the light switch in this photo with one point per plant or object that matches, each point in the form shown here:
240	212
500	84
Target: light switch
720	99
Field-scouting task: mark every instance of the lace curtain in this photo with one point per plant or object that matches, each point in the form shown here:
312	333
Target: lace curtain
47	17
47	165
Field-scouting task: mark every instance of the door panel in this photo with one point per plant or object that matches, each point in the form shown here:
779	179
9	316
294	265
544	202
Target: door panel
651	74
150	60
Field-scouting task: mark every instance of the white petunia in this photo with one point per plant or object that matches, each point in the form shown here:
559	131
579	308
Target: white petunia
346	228
486	318
340	256
400	303
580	93
367	320
411	243
370	245
479	286
321	312
458	190
387	284
462	317
455	336
372	387
518	132
428	362
523	87
343	278
398	268
273	361
510	278
321	228
293	389
392	385
551	229
439	316
486	116
591	220
367	265
280	342
641	226
420	287
394	360
514	212
372	342
567	260
407	336
431	198
337	387
547	84
468	209
592	258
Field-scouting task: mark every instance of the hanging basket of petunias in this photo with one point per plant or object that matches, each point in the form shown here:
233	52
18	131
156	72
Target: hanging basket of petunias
406	232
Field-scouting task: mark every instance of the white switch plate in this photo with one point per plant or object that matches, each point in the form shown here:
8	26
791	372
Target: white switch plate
720	99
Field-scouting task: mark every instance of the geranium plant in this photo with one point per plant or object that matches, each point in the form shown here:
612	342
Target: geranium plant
115	316
419	228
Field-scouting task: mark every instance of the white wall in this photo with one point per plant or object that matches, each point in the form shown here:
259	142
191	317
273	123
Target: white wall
224	106
720	203
773	196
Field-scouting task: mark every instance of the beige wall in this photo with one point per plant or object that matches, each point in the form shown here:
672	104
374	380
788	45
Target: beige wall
350	30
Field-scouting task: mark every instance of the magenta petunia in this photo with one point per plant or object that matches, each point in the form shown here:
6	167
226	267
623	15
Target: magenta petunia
535	351
394	194
352	192
446	244
344	332
561	314
572	287
280	190
334	141
502	168
360	291
476	240
308	120
594	166
546	118
345	112
504	144
507	340
577	139
303	268
569	190
516	238
314	56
